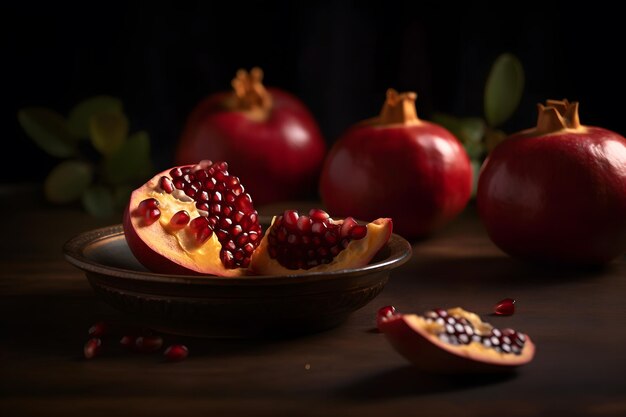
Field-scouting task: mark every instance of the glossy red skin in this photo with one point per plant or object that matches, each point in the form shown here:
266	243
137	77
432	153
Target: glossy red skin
557	198
419	175
278	158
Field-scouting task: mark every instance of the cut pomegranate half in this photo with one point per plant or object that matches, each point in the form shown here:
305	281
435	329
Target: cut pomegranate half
456	341
315	242
193	219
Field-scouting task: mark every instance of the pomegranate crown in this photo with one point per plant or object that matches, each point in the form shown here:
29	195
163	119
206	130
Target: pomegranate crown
249	90
399	108
557	115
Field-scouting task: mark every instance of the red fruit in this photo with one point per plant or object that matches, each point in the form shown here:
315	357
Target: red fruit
505	307
128	342
557	192
206	223
148	344
398	166
99	329
176	353
92	348
456	341
384	314
314	243
268	136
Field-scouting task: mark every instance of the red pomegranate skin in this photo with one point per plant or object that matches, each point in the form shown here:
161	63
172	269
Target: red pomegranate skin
419	175
278	158
558	197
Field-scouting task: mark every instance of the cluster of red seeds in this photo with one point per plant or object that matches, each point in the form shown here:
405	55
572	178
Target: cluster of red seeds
145	343
459	331
303	242
225	209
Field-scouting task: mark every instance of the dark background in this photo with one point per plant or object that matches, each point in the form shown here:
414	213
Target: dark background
338	57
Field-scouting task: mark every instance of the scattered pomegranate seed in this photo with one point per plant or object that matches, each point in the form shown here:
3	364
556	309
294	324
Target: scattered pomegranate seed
176	353
148	344
128	341
385	313
505	307
99	329
92	348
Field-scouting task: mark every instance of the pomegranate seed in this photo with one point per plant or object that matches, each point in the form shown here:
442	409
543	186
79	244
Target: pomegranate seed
304	224
176	353
358	232
99	329
179	184
128	342
505	307
166	184
347	226
92	348
290	218
191	190
148	344
145	206
179	220
202	206
203	235
385	313
243	202
319	228
317	214
151	216
176	172
199	223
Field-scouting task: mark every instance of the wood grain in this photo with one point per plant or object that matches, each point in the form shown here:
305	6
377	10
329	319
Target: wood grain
576	317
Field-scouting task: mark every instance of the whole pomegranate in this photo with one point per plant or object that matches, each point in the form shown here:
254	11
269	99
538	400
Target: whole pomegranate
557	192
398	166
267	136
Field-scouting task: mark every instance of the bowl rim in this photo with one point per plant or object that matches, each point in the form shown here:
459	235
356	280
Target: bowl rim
400	251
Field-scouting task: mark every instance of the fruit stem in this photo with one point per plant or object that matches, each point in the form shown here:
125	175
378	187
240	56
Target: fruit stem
249	92
399	108
557	115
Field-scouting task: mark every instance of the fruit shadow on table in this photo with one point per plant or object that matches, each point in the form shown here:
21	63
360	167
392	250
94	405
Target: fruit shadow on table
407	381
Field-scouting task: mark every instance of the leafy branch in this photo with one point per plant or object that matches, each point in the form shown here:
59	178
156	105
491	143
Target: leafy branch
503	92
101	164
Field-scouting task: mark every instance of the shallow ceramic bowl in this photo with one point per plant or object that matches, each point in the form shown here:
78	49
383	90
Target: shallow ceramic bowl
214	306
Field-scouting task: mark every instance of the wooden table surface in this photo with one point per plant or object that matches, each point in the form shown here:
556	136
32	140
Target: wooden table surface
576	318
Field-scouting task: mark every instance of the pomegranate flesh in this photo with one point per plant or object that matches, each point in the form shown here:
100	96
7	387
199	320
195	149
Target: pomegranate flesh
315	242
266	134
455	341
398	166
556	193
194	219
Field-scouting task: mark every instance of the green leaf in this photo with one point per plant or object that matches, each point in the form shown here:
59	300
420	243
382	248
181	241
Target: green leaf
108	131
81	114
98	201
67	181
49	130
471	130
131	163
452	123
504	89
